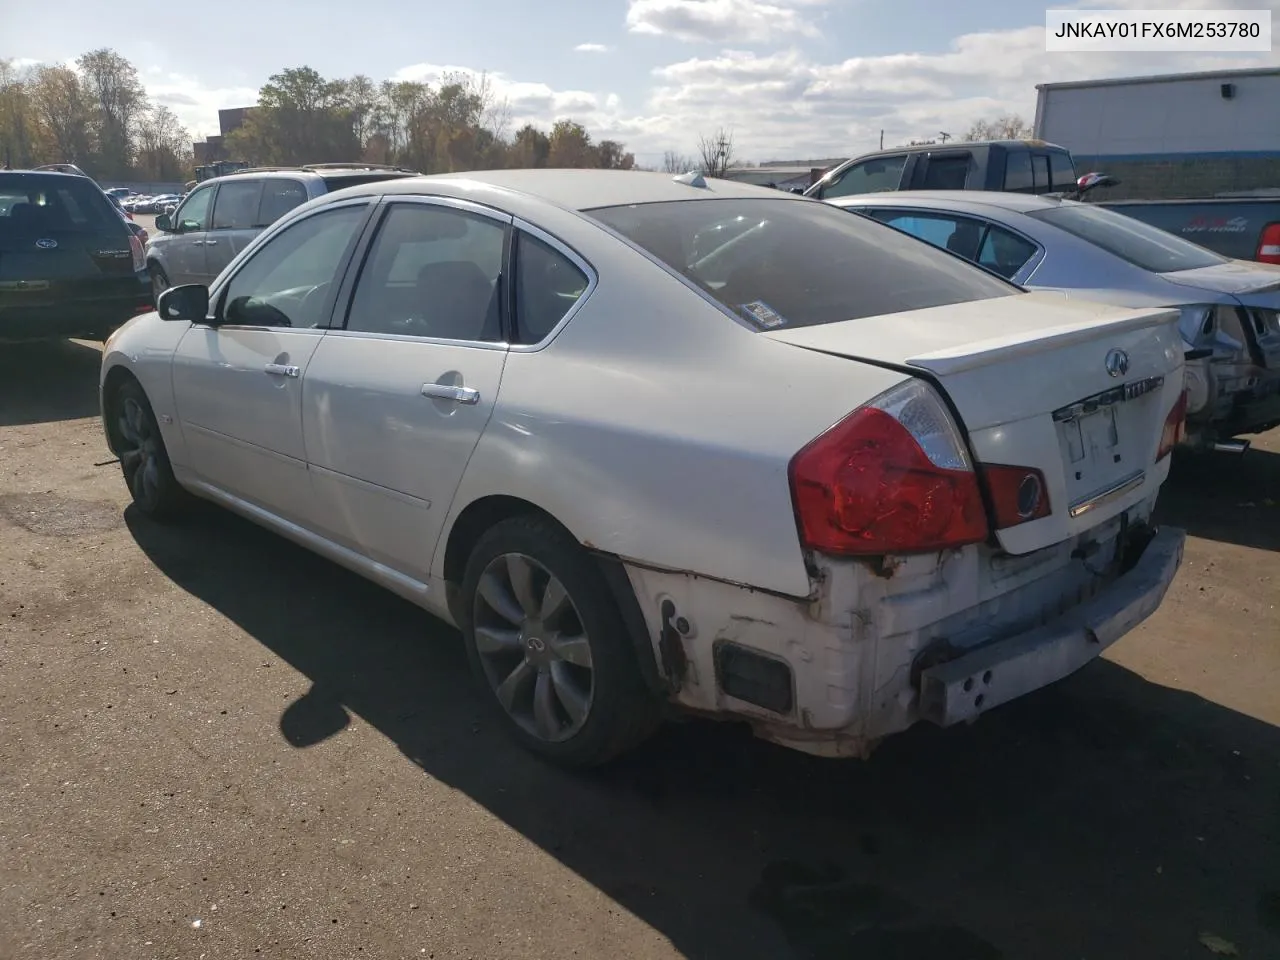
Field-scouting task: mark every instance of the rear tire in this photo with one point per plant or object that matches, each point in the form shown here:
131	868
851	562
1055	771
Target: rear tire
546	639
143	457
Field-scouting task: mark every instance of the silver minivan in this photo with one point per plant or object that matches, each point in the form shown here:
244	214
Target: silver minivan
218	218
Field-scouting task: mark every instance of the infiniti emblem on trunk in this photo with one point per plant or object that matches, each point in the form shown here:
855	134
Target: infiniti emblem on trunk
1117	363
46	244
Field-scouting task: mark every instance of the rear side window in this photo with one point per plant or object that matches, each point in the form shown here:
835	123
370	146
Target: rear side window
946	173
1062	172
36	206
800	263
548	284
870	176
1132	240
1040	163
236	205
278	198
1004	253
1017	173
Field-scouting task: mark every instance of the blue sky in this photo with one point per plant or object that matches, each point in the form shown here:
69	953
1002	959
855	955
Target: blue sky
791	78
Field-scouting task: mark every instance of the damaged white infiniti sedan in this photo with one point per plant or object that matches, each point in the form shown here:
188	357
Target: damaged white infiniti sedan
651	441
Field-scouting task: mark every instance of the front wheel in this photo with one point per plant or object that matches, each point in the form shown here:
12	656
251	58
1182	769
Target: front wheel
545	636
143	458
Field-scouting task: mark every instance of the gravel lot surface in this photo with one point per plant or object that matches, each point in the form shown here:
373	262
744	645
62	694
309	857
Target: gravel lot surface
215	745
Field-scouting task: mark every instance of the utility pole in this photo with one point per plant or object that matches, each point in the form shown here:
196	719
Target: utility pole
945	136
881	139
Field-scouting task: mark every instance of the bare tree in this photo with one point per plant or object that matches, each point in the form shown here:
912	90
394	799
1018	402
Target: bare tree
1004	127
716	152
673	162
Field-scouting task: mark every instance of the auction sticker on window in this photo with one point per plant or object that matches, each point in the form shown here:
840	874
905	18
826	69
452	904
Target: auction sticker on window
762	314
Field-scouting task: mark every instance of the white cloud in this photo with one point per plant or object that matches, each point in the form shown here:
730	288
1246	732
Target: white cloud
722	21
592	48
195	106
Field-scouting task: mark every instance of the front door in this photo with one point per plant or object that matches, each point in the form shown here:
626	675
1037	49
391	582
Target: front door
183	246
396	401
238	379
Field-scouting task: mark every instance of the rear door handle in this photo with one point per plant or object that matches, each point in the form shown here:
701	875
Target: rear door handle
441	391
211	243
282	369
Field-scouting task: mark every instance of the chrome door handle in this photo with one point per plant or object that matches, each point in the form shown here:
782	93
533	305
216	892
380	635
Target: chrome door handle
441	391
282	369
211	243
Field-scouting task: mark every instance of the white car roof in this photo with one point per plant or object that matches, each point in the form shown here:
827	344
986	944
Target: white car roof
585	189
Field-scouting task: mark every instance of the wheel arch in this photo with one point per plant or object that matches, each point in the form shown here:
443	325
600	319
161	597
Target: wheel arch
481	515
116	376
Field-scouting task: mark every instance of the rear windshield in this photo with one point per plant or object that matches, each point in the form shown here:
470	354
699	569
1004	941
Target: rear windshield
32	205
1139	243
798	263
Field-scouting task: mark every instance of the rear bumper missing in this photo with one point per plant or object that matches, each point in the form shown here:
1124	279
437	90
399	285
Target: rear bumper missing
961	689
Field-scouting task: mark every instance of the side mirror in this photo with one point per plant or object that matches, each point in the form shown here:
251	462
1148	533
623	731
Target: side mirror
163	223
188	302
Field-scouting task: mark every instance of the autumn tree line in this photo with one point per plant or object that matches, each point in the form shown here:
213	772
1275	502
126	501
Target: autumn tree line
98	116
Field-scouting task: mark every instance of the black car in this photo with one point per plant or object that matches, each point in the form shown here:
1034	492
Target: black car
69	264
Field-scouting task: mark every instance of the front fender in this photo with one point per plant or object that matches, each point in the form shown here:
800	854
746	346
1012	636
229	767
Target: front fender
143	348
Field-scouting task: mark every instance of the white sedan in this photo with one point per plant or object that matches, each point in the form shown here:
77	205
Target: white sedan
655	442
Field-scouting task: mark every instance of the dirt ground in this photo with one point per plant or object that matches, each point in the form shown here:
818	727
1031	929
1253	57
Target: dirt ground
215	745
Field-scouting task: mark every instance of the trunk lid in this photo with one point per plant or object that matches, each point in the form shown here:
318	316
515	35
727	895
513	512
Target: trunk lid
1037	382
1235	277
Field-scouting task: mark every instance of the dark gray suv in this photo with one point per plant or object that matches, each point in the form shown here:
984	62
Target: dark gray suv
218	218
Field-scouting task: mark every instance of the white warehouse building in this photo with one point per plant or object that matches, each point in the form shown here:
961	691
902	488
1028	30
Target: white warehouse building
1178	135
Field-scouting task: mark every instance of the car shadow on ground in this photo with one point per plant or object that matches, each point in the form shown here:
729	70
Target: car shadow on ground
1103	817
1225	497
48	380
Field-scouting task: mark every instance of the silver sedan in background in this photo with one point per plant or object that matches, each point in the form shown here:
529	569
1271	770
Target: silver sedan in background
1230	308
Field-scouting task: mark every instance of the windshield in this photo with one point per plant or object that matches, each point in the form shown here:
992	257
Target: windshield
1132	240
798	263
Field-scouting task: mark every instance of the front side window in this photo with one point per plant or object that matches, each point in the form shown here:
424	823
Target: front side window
287	280
193	214
433	271
548	284
871	176
1131	240
800	263
236	207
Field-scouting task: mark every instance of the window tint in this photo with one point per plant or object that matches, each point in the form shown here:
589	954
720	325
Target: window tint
801	263
286	281
278	198
961	235
1003	252
433	271
547	284
36	206
870	176
1017	172
1062	173
1139	243
1040	163
193	215
236	206
946	173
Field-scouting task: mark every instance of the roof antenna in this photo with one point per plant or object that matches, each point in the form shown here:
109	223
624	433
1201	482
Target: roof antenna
691	179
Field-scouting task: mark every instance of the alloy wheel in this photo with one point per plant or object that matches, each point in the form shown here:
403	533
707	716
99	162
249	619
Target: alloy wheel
533	647
139	452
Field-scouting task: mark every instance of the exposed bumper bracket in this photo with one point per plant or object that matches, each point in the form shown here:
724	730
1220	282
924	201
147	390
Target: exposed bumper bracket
961	689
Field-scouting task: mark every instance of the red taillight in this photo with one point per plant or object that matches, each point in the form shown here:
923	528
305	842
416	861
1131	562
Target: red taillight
892	477
1175	427
139	253
1269	244
1018	494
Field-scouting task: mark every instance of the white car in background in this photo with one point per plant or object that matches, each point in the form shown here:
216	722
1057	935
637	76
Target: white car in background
814	475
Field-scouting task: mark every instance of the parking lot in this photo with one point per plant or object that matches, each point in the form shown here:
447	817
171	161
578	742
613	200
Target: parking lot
214	744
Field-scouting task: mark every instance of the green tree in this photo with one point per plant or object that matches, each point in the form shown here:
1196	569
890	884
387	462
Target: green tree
117	100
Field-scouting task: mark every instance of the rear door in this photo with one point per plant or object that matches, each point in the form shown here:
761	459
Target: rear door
396	400
234	224
61	243
279	196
